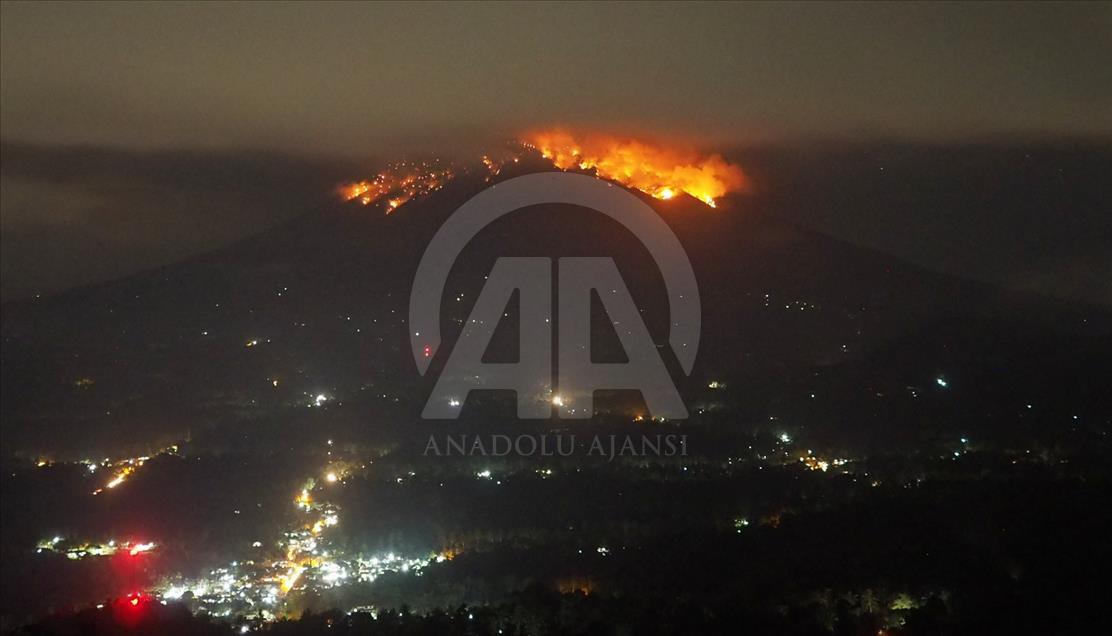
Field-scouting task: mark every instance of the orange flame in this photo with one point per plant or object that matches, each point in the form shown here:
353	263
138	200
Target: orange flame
662	173
658	172
400	182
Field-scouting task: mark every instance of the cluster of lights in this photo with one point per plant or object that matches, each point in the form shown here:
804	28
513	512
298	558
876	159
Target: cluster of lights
817	463
124	468
78	551
252	588
308	561
95	464
256	587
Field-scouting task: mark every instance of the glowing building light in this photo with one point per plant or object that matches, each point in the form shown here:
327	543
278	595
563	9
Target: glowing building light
291	577
139	548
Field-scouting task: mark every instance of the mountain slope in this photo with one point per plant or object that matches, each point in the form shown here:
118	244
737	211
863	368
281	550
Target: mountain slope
254	333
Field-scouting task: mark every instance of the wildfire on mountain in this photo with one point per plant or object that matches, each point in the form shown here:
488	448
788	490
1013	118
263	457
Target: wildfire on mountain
659	172
662	173
399	183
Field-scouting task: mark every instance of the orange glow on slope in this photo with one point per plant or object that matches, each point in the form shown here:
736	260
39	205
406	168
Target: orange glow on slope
659	172
399	183
124	468
120	477
663	173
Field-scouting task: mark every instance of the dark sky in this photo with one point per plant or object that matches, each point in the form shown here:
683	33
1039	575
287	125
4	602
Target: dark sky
199	92
345	77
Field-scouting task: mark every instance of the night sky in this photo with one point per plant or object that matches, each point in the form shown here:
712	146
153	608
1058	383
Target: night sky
137	134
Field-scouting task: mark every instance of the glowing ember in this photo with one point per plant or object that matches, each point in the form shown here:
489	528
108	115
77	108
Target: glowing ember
398	184
658	172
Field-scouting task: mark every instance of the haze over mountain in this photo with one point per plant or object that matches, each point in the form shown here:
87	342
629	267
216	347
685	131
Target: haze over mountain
1022	215
897	420
794	322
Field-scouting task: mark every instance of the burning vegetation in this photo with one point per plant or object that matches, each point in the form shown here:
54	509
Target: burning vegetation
399	183
659	172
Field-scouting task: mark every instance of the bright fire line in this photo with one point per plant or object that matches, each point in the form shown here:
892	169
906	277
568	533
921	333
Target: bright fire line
659	172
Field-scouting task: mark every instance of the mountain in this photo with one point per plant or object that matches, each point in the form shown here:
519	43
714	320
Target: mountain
802	330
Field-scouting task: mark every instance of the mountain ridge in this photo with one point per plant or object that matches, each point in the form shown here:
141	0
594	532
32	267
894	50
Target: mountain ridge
323	298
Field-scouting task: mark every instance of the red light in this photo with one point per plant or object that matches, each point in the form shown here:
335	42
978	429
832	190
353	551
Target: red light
131	609
428	351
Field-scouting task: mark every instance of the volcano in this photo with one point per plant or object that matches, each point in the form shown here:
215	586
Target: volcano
303	328
242	430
